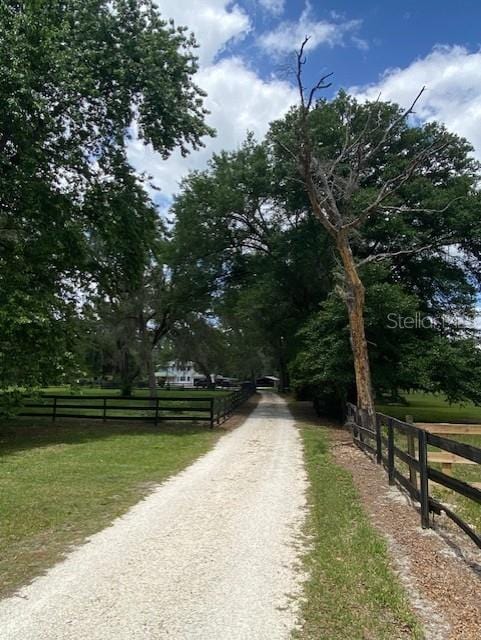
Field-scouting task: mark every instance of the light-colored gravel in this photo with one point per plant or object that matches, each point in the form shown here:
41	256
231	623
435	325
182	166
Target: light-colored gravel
211	554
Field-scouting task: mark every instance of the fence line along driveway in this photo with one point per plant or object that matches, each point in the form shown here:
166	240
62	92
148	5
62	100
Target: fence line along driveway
209	555
214	409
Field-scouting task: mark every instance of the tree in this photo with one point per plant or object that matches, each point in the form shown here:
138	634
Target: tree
77	78
409	351
257	259
361	163
323	366
199	340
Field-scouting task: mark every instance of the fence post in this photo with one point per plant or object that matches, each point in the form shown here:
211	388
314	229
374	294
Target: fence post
104	417
423	477
156	411
54	414
413	476
357	420
390	451
378	439
212	412
363	423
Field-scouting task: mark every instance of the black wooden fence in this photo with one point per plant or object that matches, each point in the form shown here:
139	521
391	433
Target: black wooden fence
384	441
213	410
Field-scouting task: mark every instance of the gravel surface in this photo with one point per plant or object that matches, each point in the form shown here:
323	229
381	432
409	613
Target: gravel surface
210	554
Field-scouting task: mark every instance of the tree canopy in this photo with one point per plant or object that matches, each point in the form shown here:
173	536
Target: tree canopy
248	223
78	80
300	254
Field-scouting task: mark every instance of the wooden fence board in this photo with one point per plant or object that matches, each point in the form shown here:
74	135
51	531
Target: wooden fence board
418	459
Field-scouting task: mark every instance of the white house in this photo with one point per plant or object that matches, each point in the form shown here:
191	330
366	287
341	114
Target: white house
178	373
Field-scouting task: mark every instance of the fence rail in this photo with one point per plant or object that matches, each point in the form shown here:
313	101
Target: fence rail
382	439
213	409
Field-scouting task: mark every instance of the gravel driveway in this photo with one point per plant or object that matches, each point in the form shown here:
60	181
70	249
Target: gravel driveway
210	554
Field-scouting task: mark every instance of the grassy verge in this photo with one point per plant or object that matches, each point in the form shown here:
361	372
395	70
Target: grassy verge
60	483
352	592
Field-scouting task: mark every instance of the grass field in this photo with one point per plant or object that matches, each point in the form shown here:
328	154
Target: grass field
425	407
162	393
351	592
60	483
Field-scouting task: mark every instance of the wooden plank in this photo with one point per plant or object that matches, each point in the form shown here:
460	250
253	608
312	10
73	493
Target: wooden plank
459	486
130	398
369	432
404	482
432	483
438	507
457	448
447	468
411	444
161	418
409	460
446	428
443	457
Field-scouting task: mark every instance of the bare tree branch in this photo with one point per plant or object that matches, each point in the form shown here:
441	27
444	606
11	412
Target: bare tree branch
393	185
401	118
377	257
404	208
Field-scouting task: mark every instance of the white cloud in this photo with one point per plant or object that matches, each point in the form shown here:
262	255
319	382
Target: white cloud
274	6
452	76
239	100
214	22
289	35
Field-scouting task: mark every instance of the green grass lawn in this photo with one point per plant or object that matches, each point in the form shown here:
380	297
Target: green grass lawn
60	483
426	407
162	393
352	592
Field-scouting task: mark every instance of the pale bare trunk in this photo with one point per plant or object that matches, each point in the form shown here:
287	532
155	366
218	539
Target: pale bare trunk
354	298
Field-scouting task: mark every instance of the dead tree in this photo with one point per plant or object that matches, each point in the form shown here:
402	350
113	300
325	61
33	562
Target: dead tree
331	184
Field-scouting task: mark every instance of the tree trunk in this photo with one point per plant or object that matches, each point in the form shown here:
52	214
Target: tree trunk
151	374
204	369
284	377
147	360
354	298
124	370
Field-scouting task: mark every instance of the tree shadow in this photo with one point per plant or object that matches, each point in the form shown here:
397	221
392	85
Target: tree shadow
22	434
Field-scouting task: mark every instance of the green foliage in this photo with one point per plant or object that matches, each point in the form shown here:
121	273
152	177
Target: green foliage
455	367
252	247
78	77
418	355
251	260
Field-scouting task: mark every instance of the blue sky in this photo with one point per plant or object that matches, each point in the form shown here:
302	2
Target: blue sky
371	47
395	33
